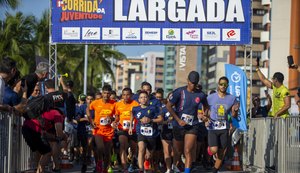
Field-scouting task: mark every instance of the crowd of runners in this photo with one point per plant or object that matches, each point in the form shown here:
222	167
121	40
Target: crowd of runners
138	132
144	132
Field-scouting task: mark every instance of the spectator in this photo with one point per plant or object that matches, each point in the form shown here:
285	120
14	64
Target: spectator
40	74
281	100
7	71
11	97
258	110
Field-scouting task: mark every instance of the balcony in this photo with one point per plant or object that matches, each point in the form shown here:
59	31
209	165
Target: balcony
265	55
266	19
264	36
266	2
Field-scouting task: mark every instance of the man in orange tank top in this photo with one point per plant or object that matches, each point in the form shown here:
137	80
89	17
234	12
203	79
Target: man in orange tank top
103	132
123	114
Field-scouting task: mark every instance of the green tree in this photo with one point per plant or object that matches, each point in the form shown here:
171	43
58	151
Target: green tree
42	35
100	61
9	3
17	35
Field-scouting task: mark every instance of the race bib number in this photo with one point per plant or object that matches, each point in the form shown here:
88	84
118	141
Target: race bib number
126	125
170	125
103	121
88	128
187	118
146	131
219	125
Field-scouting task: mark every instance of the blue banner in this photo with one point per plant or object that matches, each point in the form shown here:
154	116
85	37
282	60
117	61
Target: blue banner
190	22
238	87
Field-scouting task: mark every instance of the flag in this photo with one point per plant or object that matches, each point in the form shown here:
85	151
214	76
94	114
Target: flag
238	87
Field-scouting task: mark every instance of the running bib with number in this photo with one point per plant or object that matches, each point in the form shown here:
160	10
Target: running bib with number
170	125
88	128
219	125
126	125
146	131
187	118
103	121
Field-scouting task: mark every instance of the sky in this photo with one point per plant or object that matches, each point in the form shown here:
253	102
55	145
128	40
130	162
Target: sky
36	8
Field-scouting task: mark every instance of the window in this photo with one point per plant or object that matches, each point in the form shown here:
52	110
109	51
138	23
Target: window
256	54
258	26
256	40
259	12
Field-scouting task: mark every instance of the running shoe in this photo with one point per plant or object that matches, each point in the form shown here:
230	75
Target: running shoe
175	169
130	168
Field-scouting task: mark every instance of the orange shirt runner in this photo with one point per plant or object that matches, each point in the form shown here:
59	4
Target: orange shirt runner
123	110
102	111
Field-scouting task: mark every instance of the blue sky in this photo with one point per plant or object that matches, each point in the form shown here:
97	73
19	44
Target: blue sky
36	8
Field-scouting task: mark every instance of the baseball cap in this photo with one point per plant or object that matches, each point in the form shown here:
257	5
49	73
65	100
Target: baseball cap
82	97
194	77
42	67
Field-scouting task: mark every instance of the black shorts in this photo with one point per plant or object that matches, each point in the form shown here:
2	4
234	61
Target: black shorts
166	134
178	133
132	137
158	146
34	141
202	133
218	138
82	140
149	141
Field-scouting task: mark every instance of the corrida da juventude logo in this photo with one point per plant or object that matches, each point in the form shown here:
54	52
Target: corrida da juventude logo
73	10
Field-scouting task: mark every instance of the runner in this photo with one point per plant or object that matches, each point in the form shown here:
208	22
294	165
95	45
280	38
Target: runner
167	136
103	132
123	114
187	102
147	117
221	104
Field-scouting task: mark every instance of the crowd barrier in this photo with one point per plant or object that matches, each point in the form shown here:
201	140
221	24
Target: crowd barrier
271	142
15	155
274	143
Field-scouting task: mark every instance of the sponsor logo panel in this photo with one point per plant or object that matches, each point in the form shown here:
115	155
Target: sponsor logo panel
70	33
90	33
131	34
211	34
151	34
171	34
231	35
191	34
111	34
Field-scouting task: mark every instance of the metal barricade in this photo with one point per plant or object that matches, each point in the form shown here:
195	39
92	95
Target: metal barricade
274	142
15	155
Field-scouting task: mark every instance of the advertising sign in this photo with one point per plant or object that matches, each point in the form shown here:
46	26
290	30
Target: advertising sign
238	87
190	22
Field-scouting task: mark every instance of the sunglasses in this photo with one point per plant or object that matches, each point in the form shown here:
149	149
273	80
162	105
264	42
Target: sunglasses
223	84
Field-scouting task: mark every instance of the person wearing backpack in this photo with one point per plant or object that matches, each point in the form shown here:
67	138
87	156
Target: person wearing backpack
58	112
31	131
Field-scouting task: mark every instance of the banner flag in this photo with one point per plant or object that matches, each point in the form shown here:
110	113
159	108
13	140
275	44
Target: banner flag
238	87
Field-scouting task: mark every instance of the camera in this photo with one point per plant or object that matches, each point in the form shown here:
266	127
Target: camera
290	60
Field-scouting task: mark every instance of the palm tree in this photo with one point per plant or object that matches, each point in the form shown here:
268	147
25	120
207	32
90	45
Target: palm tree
9	3
42	35
100	61
16	35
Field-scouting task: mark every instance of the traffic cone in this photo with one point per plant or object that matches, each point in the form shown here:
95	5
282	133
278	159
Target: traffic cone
235	164
65	163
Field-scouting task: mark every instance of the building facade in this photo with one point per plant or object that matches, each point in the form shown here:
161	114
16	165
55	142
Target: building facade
129	73
153	69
